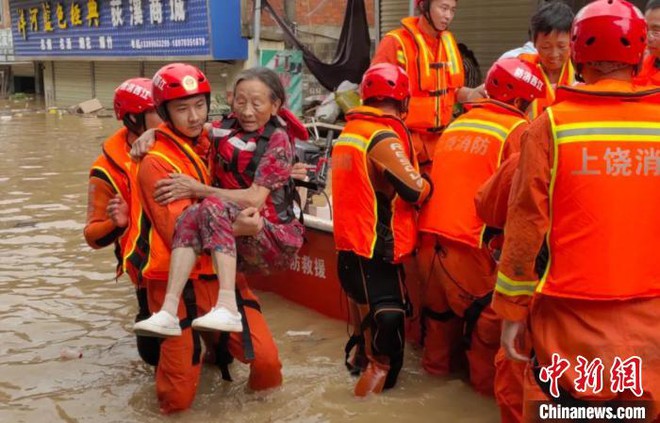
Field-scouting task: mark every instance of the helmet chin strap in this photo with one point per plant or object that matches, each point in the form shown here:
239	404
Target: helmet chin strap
426	12
135	123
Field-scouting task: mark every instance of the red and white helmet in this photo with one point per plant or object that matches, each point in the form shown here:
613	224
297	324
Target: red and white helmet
178	80
133	96
385	81
608	31
513	78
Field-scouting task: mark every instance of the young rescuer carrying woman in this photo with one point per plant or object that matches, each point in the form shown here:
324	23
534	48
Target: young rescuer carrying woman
251	159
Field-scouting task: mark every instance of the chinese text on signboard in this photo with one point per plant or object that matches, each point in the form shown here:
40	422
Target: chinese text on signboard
110	27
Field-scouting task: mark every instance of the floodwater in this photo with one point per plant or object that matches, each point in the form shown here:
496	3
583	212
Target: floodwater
55	293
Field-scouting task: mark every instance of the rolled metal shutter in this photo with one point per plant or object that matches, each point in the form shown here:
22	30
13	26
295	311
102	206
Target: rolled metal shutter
108	76
491	27
390	13
25	69
73	82
150	68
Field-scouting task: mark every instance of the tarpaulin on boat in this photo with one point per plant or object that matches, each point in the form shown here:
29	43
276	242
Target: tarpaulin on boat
352	55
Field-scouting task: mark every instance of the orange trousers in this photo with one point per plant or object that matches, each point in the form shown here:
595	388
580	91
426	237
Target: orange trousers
595	329
454	275
178	371
509	375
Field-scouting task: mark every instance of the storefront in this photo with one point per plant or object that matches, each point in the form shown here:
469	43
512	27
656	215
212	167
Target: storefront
88	47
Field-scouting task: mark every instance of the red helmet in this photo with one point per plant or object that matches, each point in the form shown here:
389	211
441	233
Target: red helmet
608	31
385	80
133	96
178	80
513	78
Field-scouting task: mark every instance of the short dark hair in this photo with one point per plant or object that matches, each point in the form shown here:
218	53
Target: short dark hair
652	5
552	16
269	78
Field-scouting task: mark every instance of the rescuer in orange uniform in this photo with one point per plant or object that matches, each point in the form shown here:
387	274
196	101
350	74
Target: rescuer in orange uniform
453	255
182	98
588	186
491	205
109	187
377	185
550	30
650	73
427	50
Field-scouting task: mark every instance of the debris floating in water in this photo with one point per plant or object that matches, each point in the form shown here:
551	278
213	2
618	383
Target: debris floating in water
71	353
299	333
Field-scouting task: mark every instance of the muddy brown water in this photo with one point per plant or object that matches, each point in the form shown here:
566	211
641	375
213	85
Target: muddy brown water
55	293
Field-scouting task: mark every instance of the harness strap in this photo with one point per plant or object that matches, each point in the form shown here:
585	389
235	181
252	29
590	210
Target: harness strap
355	341
119	270
190	302
143	303
471	316
232	166
262	145
428	313
223	356
438	93
490	233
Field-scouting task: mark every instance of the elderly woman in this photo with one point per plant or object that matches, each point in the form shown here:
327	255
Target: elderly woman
251	161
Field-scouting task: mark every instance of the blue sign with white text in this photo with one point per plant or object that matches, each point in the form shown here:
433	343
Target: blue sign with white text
121	28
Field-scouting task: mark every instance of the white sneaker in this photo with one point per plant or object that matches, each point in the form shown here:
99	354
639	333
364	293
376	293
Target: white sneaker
219	319
159	325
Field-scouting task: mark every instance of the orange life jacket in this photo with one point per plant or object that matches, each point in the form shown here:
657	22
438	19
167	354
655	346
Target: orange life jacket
148	252
361	224
604	195
567	77
649	74
435	76
467	154
113	166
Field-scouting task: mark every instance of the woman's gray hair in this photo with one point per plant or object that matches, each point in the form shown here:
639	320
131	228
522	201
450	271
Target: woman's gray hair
268	77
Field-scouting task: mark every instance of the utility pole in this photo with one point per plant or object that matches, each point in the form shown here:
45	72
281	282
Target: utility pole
257	31
290	18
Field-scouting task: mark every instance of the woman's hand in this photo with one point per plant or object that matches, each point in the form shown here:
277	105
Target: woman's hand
478	93
177	187
299	171
248	222
143	144
468	95
117	211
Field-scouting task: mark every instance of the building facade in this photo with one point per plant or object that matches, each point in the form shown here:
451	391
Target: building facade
84	49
